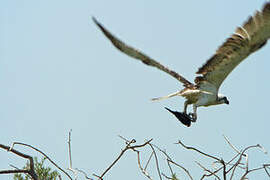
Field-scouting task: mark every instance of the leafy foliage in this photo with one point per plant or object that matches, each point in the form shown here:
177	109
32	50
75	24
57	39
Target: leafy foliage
174	177
43	172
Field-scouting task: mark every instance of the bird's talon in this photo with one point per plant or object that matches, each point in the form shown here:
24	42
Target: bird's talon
192	117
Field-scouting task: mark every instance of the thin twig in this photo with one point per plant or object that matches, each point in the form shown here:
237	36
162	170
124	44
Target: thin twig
232	146
69	149
134	148
121	154
143	170
242	154
265	166
246	162
169	165
207	170
99	177
169	160
157	165
59	176
240	158
18	169
167	177
140	166
186	171
216	171
252	170
192	148
84	173
148	161
255	169
70	168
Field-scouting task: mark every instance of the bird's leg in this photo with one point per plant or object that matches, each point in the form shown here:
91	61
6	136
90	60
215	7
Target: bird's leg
185	107
193	116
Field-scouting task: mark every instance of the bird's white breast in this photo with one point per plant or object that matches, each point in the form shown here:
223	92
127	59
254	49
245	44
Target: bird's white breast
206	99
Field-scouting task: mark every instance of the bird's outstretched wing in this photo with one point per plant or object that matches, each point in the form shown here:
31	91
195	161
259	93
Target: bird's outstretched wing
130	51
247	39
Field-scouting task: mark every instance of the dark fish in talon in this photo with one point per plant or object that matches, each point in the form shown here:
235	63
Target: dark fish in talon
182	117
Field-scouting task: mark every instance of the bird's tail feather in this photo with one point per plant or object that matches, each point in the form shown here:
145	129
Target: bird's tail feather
166	97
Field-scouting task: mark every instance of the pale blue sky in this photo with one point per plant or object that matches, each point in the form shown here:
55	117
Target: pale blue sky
59	72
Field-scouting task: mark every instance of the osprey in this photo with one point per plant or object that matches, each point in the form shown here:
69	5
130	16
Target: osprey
204	92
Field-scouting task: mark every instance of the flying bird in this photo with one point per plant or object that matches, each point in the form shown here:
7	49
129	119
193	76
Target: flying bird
205	90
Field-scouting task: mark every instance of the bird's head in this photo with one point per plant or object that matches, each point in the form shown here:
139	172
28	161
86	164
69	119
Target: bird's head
222	99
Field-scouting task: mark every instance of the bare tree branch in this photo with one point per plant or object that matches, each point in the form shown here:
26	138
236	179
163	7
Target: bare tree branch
14	171
143	170
148	161
232	146
207	170
192	148
220	169
169	160
76	170
224	169
182	167
167	177
265	166
31	171
84	173
19	169
69	149
47	157
157	165
70	168
128	147
119	156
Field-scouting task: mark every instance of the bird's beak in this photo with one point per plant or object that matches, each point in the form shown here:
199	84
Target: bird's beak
227	102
